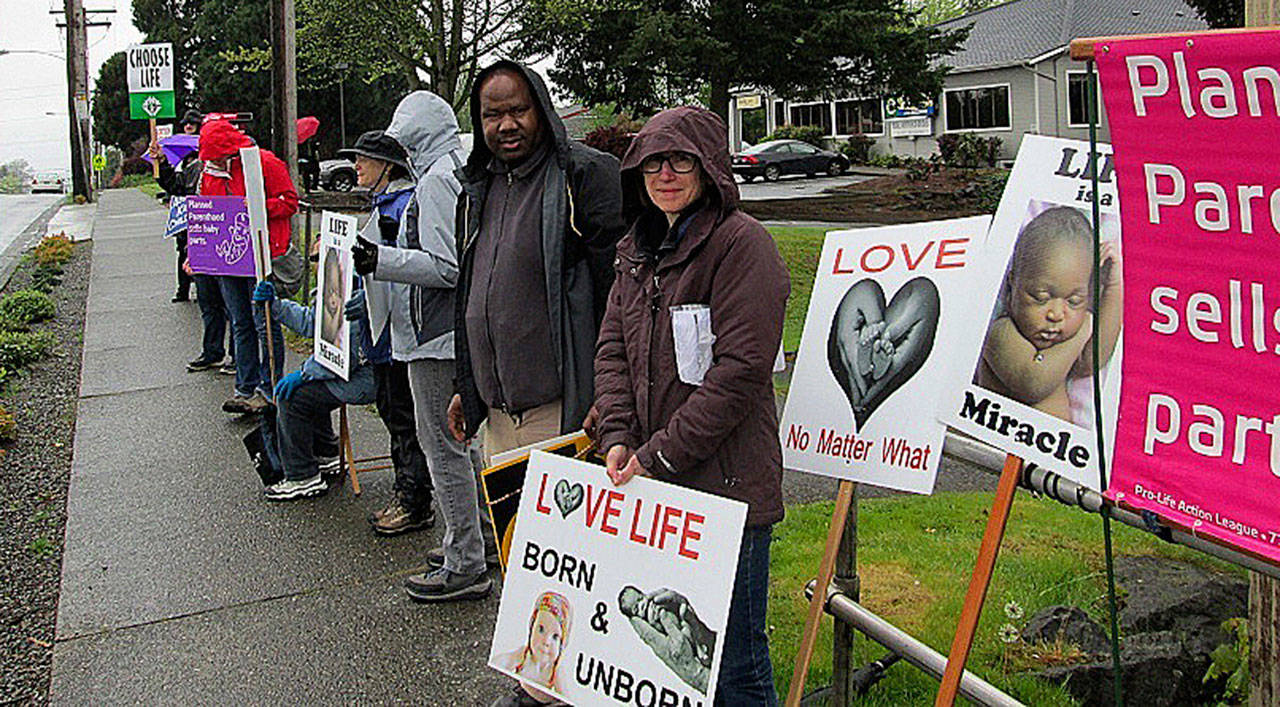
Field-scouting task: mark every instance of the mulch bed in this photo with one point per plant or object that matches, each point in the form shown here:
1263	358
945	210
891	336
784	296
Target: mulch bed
952	193
34	475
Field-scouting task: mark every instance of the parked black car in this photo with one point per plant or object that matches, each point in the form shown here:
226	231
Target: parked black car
775	158
337	175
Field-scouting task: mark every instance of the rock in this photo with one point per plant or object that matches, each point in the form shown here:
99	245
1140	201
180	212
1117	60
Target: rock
1069	624
1166	594
1170	621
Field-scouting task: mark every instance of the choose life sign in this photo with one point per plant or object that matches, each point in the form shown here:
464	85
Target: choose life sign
616	594
150	72
1195	121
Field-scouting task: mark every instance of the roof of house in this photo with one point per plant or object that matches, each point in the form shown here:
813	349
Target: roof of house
1016	31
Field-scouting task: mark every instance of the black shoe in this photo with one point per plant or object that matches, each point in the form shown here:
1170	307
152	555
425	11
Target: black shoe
517	697
180	298
435	556
442	585
202	364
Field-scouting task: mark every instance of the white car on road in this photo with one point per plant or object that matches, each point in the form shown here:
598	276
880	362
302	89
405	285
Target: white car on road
48	181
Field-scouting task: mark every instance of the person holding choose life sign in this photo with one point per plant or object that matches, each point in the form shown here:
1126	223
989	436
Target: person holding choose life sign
684	380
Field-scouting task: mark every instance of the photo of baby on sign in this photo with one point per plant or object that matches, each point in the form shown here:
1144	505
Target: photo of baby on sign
1024	383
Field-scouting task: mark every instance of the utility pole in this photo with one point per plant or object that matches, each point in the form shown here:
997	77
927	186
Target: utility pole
78	97
1264	592
284	78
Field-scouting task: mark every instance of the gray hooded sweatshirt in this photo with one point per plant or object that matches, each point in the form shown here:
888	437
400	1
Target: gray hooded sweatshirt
423	265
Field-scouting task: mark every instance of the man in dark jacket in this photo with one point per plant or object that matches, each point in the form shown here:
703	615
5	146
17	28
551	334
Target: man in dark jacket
537	222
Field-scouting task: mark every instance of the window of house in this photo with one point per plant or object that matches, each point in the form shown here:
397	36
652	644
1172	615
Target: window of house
817	114
864	116
978	108
1078	99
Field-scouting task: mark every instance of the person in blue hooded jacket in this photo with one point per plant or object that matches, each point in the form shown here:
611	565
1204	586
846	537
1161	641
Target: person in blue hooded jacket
306	398
382	167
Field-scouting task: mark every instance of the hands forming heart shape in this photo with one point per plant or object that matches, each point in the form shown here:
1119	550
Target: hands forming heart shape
873	348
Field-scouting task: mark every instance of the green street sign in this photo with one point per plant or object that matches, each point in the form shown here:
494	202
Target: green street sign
152	105
150	72
99	163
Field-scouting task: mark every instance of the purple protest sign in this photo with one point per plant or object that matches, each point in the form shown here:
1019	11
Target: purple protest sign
218	239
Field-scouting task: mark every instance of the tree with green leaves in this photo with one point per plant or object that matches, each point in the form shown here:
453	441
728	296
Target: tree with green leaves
647	54
111	123
1219	13
443	40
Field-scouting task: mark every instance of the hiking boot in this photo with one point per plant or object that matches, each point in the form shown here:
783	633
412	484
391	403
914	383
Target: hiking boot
517	697
237	405
442	585
257	403
435	557
289	490
201	364
395	519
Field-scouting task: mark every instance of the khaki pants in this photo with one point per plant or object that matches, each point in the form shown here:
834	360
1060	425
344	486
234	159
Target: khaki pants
505	432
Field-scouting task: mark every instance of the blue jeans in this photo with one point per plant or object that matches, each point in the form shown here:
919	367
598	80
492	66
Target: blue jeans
253	372
746	674
209	297
237	295
304	429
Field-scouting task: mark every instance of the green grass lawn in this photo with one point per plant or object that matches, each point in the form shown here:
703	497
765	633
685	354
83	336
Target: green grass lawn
915	558
800	248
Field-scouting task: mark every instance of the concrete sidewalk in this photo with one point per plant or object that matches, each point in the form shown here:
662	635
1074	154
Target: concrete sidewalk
180	585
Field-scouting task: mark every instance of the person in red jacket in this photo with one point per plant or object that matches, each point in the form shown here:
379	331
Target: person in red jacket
220	144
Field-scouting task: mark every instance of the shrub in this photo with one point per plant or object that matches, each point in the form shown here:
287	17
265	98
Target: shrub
920	169
19	349
811	134
27	306
613	139
885	160
8	426
857	149
985	192
44	279
53	250
969	150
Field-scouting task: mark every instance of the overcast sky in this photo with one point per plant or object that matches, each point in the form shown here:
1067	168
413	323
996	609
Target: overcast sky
32	85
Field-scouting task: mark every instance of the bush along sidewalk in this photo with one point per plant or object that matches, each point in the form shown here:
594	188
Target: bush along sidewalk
41	329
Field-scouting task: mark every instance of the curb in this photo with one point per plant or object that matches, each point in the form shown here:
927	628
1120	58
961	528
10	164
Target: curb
12	255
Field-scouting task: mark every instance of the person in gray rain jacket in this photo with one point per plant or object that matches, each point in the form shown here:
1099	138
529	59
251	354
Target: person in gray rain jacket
422	268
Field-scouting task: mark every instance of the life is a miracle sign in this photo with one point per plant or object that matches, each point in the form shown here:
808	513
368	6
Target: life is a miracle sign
1195	123
150	71
616	594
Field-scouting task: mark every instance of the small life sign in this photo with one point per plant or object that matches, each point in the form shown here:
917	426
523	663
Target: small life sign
149	68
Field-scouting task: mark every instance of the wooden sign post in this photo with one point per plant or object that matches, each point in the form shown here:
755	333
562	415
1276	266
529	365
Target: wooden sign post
844	498
982	572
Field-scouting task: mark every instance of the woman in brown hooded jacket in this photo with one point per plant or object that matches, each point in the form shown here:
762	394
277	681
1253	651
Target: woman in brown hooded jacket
683	368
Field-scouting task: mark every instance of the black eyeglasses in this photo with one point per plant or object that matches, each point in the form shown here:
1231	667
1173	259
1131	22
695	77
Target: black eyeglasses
681	162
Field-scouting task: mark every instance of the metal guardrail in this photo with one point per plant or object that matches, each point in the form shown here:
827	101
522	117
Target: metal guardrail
1070	493
912	650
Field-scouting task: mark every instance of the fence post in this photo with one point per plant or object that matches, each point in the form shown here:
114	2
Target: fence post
845	579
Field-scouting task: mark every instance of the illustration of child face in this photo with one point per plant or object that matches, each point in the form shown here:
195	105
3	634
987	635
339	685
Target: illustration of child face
1050	295
545	638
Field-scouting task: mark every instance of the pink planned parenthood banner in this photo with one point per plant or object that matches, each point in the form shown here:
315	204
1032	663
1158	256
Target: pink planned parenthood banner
218	236
1195	124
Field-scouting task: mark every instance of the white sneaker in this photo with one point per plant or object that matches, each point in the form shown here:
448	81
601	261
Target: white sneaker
289	490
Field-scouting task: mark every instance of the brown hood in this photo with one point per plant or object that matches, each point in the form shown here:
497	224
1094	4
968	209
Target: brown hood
694	130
